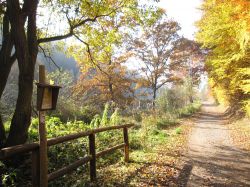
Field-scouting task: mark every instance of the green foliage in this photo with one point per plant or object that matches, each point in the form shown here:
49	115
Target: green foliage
150	132
166	121
189	109
105	115
115	117
96	121
55	127
178	130
177	99
137	117
9	177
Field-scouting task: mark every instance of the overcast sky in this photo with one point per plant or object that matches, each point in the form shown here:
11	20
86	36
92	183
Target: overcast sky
185	12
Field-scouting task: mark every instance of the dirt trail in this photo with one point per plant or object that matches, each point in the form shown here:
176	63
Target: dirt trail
212	158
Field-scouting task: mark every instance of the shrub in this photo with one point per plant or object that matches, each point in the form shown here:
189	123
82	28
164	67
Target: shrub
105	119
115	118
178	130
189	109
96	121
137	117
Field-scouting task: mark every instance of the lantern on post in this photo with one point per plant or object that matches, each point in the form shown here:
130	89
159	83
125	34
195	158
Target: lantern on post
47	96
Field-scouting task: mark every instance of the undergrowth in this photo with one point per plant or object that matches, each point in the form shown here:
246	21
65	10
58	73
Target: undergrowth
148	134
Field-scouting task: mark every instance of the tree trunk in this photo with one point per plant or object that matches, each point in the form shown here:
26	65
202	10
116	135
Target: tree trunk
4	73
2	133
110	85
155	89
191	100
26	51
6	62
154	96
21	119
111	92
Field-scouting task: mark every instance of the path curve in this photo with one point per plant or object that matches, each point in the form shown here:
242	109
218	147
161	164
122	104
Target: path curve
212	158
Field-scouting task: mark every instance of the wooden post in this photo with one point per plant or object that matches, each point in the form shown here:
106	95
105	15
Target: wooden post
92	153
43	138
35	168
126	147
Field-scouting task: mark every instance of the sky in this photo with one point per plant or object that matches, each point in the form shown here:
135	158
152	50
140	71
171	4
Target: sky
184	12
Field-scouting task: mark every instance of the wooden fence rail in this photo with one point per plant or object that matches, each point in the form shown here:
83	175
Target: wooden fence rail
9	152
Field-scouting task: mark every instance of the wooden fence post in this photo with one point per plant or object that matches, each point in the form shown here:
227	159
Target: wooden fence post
126	147
35	168
43	137
92	152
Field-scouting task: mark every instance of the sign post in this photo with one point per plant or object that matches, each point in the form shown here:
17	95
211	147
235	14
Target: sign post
46	100
43	137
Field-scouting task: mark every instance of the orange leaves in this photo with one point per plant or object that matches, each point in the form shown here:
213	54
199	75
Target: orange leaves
109	82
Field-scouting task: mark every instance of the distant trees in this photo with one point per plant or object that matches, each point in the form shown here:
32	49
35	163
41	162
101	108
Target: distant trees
224	31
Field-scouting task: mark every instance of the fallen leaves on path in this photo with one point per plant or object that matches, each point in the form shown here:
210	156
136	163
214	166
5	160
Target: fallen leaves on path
240	133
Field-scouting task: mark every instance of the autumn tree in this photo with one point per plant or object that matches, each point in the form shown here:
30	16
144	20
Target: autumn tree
22	32
101	58
224	31
154	48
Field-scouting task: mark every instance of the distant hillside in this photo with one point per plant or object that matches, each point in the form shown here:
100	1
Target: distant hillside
62	61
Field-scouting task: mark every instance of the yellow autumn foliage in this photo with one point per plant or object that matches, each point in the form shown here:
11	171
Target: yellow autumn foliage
224	30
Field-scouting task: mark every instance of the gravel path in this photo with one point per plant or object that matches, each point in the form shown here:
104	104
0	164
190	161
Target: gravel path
212	158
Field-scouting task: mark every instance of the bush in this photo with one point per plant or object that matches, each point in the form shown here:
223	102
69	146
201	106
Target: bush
150	132
55	128
178	130
137	117
189	109
69	111
164	123
105	119
115	118
96	121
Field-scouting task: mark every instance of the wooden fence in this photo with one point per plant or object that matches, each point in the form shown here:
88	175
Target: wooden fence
8	152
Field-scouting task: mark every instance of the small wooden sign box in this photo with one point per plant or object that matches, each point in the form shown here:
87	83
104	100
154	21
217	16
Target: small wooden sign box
47	96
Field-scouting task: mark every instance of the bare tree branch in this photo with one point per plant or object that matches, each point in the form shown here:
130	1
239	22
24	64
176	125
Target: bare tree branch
49	58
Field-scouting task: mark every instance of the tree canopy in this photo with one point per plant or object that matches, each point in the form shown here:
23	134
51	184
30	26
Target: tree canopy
224	32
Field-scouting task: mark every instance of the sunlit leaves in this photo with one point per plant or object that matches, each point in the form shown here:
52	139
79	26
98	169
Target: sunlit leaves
224	30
